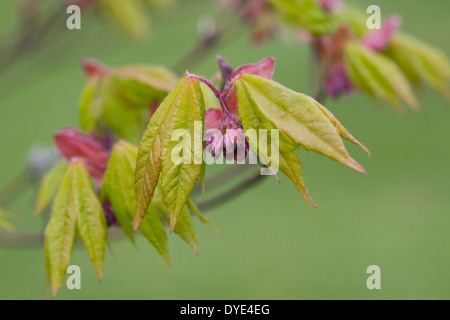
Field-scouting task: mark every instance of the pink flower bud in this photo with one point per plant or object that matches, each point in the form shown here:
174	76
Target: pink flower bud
378	40
214	142
73	144
235	145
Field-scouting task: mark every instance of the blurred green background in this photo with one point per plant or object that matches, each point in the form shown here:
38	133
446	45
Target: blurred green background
273	245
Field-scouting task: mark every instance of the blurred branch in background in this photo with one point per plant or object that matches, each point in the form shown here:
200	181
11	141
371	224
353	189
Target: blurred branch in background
212	33
34	28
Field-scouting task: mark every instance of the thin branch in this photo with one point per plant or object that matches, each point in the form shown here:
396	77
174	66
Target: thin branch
232	193
35	239
219	178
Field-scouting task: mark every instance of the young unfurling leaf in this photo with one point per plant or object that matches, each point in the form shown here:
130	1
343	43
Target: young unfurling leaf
181	108
302	123
75	209
121	97
421	62
140	84
378	76
49	185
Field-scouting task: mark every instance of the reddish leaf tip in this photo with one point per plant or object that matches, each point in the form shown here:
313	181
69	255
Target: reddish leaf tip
356	166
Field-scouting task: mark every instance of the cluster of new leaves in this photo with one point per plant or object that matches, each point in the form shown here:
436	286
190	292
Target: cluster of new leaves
121	99
383	63
105	180
249	100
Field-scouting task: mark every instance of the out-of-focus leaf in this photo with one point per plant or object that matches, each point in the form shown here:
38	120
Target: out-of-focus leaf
306	14
49	185
91	103
118	185
128	123
421	62
378	39
141	84
378	76
152	228
121	98
161	3
4	223
353	17
301	121
181	108
128	16
192	206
